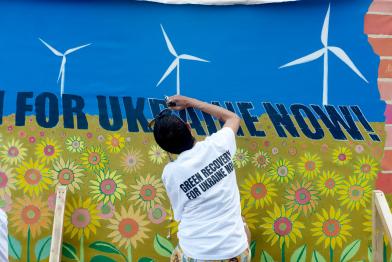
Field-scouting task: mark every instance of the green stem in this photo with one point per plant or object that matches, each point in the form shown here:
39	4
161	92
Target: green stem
28	243
283	254
129	253
385	252
330	253
81	250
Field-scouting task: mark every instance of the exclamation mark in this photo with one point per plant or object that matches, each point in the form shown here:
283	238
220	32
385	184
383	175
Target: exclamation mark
357	111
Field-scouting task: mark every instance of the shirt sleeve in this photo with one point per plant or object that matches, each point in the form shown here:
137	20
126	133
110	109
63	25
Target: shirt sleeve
175	202
224	139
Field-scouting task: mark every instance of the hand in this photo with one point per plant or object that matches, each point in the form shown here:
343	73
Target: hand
178	102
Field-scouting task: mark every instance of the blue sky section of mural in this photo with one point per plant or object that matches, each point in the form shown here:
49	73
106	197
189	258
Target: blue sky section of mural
245	44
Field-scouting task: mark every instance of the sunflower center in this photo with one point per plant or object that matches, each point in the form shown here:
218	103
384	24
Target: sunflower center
283	226
356	192
303	196
108	186
259	190
3	179
365	168
131	161
94	158
49	150
66	176
148	192
282	171
13	151
261	160
329	183
310	165
75	144
115	142
31	214
342	157
33	176
128	227
331	227
81	218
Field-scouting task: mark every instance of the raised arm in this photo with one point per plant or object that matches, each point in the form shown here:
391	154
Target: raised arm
230	119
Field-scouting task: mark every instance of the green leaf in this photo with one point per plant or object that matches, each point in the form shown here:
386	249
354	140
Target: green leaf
104	247
163	246
317	257
299	254
102	259
350	251
265	257
252	249
145	259
14	247
42	248
69	251
370	254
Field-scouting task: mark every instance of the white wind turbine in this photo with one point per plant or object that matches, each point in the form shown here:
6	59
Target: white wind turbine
63	61
324	51
176	62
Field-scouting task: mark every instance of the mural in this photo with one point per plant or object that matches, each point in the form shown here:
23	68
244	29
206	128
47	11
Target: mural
309	152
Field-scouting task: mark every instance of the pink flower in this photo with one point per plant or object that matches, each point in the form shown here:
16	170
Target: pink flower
89	135
32	139
10	128
106	210
42	133
22	134
6	203
157	214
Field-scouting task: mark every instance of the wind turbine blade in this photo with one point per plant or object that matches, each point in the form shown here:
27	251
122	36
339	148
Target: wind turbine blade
75	48
324	31
168	43
51	48
305	59
61	68
344	57
169	70
190	57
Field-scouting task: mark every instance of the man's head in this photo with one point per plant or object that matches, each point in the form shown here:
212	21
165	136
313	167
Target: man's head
171	133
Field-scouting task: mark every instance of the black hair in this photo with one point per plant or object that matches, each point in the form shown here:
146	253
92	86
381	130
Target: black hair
172	134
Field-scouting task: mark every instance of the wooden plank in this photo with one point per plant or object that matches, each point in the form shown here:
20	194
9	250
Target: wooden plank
377	233
384	214
58	222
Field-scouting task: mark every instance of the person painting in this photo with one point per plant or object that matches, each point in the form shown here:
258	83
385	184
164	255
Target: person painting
201	185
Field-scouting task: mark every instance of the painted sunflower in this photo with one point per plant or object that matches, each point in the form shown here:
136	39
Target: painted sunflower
241	158
81	218
67	173
147	192
366	168
331	228
251	218
258	191
108	186
13	152
328	183
94	158
302	197
30	213
282	171
47	150
282	225
132	161
156	154
115	143
33	177
75	144
341	156
355	193
261	159
309	165
7	180
129	227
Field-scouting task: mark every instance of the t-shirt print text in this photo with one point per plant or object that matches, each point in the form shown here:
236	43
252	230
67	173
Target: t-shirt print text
208	176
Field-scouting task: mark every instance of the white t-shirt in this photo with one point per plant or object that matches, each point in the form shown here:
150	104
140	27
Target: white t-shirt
203	191
3	236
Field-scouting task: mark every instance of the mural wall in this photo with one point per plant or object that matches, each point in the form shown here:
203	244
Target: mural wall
302	76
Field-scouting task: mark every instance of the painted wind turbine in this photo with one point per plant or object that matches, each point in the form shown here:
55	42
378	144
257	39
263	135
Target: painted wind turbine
176	62
324	51
63	61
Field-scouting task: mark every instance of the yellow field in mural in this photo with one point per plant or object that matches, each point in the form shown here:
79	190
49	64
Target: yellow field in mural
303	200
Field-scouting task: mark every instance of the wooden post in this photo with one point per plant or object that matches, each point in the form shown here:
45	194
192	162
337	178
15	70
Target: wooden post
58	221
377	235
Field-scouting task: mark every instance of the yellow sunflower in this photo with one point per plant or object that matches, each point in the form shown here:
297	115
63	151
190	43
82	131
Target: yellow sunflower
310	165
47	150
81	218
75	144
132	161
33	177
108	186
13	152
115	143
30	213
258	191
94	158
147	191
7	180
341	156
172	224
261	159
328	183
366	167
156	154
282	225
331	228
355	193
67	173
282	171
251	218
241	158
129	227
302	197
